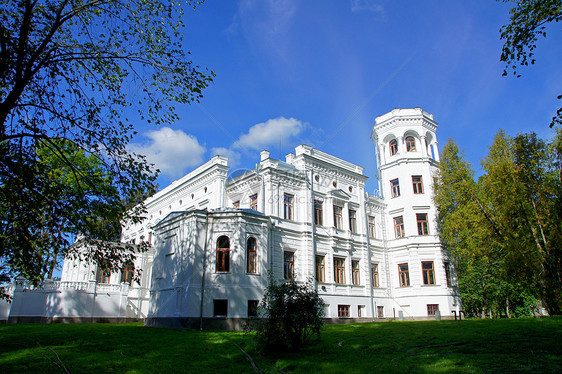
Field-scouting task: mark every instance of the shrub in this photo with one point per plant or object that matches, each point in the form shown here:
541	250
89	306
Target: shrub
292	315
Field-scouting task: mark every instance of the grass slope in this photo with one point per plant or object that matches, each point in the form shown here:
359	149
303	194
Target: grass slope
468	346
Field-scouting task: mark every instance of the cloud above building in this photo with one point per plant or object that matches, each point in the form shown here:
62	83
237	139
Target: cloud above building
171	151
271	132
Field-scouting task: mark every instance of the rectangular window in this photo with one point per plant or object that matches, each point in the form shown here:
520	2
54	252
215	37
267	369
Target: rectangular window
422	224
355	272
127	275
339	270
220	308
375	275
417	183
380	311
432	309
320	269
103	275
236	204
289	265
428	272
343	311
360	310
251	256
254	202
253	308
353	221
395	188
404	275
289	212
318	213
371	226
448	274
399	227
338	223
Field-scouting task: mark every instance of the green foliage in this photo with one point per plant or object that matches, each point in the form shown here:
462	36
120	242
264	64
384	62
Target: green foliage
75	75
528	21
504	231
292	315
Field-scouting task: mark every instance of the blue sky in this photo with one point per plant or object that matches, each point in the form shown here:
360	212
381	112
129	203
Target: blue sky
319	71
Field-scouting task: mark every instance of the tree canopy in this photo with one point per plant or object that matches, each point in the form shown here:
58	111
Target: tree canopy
75	76
504	230
528	22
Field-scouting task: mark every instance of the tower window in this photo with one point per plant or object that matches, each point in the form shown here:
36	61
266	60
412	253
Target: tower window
223	254
395	188
417	183
251	256
422	224
410	144
399	226
289	208
393	147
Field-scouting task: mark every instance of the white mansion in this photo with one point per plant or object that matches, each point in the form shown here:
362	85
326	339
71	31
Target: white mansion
216	239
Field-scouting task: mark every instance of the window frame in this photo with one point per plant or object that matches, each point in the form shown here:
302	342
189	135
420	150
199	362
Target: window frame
236	204
127	274
410	144
254	201
339	270
217	308
355	273
223	262
289	206
253	308
399	227
393	147
375	275
432	309
422	223
395	187
251	256
318	213
352	220
372	227
380	311
320	269
447	266
344	311
428	274
338	221
288	265
404	275
417	185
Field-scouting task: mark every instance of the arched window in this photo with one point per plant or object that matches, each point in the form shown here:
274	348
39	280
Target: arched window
410	144
223	254
251	256
393	147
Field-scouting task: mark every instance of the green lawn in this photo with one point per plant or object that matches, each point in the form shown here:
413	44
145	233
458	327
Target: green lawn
468	346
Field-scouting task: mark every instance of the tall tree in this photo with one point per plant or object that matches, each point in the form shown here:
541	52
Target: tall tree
528	21
80	73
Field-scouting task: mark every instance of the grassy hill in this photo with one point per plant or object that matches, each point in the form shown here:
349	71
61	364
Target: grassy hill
468	346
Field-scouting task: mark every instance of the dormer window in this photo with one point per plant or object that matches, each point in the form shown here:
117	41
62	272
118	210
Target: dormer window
393	147
410	144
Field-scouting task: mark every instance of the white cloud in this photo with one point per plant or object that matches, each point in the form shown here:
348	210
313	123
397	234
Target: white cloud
270	132
233	156
171	151
367	5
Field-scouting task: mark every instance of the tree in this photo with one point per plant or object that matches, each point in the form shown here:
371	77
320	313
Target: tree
504	230
528	20
75	75
293	315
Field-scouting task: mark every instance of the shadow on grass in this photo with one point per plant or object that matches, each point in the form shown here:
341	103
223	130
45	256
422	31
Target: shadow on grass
524	345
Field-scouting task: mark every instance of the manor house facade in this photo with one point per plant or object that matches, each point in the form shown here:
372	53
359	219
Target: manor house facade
217	238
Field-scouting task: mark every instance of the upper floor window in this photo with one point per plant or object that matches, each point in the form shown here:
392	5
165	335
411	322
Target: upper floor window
338	217
339	270
371	226
251	256
448	274
428	272
318	213
410	144
223	254
375	275
422	224
399	227
103	275
393	147
288	265
289	207
254	202
236	204
417	183
127	274
320	269
395	188
353	221
355	272
404	275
